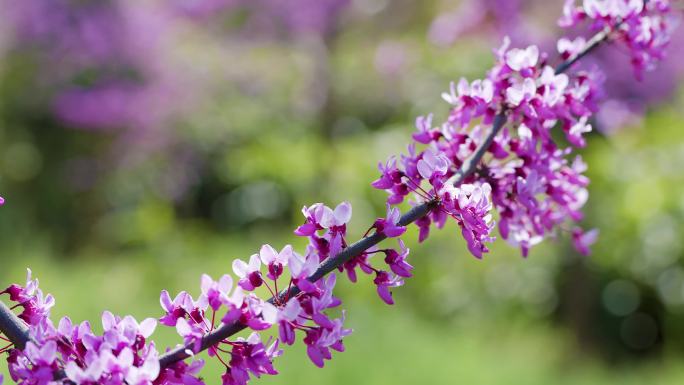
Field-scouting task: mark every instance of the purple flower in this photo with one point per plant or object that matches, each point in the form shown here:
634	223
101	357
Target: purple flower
302	268
191	332
575	133
433	164
144	374
425	135
553	86
180	373
389	226
43	360
275	261
182	305
36	307
214	294
250	356
390	175
569	48
320	216
384	281
522	59
521	91
583	240
287	315
644	27
471	206
250	274
397	260
258	314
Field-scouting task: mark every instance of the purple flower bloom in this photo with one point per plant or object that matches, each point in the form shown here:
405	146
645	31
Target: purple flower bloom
258	314
576	131
397	260
181	373
320	216
644	27
432	164
302	268
250	274
521	91
389	226
425	135
522	59
287	315
182	305
384	281
583	240
568	48
389	175
191	332
214	294
275	261
471	207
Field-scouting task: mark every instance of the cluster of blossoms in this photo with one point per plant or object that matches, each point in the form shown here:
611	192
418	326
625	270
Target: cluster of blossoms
644	26
495	152
626	101
529	176
123	355
120	355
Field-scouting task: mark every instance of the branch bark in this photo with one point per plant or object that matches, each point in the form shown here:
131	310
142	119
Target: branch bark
13	327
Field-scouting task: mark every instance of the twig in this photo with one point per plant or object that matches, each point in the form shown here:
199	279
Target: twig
12	327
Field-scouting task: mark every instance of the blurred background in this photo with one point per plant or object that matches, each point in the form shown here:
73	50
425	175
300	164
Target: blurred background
143	143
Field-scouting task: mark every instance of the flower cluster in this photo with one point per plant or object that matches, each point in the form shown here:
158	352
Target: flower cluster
297	303
121	355
526	174
644	26
303	306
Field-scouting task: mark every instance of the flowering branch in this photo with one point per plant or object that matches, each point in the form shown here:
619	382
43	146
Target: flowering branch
590	45
357	248
324	268
17	332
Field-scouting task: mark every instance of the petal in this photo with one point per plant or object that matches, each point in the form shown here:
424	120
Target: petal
325	217
207	283
165	301
240	268
306	229
284	255
108	320
49	351
147	327
254	263
385	295
267	254
424	169
291	310
269	313
315	355
343	213
225	283
183	328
